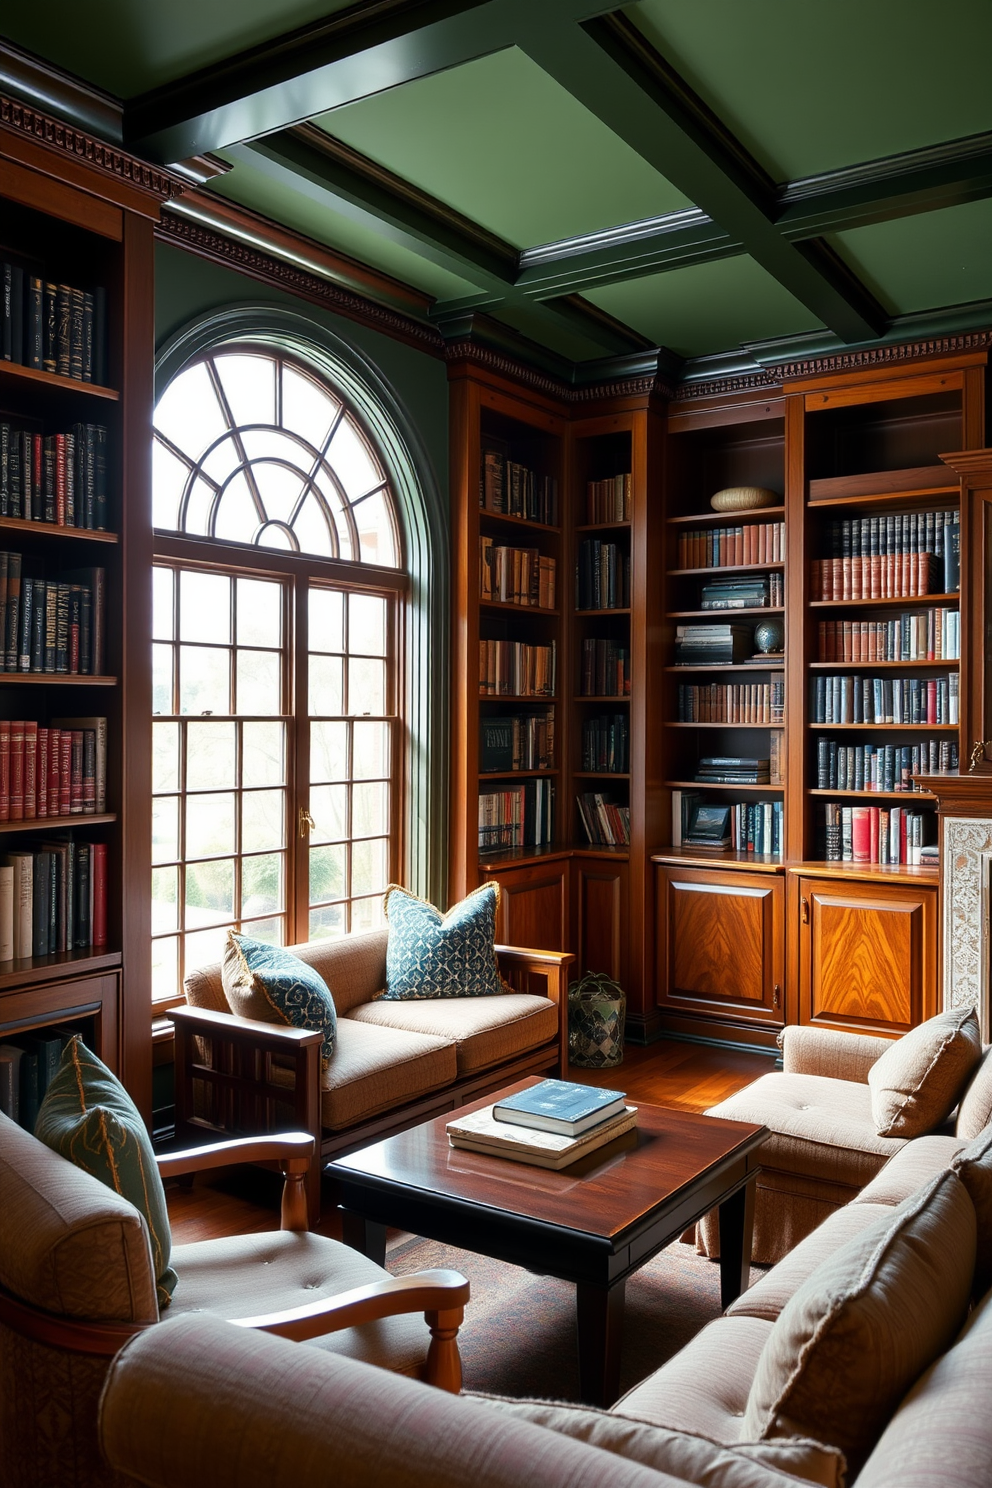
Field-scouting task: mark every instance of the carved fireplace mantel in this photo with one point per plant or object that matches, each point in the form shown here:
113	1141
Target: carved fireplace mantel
964	806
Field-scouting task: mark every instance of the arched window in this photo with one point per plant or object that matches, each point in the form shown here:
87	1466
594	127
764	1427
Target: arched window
281	594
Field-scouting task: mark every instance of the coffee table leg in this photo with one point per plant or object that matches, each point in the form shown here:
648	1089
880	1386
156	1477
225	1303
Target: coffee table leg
365	1235
736	1234
599	1319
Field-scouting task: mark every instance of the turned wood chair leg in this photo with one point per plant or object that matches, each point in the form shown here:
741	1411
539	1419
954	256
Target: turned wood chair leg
444	1362
295	1209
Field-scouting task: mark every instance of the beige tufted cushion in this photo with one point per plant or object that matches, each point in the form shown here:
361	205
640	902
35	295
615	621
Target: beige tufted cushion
917	1082
849	1344
373	1069
704	1387
975	1110
485	1030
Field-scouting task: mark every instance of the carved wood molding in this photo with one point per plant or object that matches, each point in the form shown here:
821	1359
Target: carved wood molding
554	387
81	146
884	356
743	382
222	249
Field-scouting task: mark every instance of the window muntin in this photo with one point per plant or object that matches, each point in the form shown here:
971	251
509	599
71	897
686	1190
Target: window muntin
251	447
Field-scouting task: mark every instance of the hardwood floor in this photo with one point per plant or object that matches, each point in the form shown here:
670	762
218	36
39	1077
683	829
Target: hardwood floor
687	1076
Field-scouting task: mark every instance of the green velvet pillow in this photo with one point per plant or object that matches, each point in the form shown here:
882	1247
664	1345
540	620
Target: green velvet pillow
297	994
429	954
88	1117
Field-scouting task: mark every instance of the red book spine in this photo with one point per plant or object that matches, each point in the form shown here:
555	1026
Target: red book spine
4	771
75	772
30	770
37	498
861	834
65	772
43	771
54	770
17	770
98	879
874	828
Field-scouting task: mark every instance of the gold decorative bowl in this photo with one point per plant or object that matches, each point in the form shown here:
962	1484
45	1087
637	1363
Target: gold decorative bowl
744	498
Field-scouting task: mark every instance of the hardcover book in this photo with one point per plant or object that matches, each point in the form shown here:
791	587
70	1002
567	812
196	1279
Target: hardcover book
479	1132
559	1106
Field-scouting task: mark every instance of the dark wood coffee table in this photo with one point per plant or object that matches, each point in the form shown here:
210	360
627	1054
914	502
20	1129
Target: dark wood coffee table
593	1223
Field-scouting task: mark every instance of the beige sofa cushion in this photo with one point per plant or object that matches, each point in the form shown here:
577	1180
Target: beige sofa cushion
975	1110
917	1082
942	1432
771	1293
973	1165
373	1069
917	1162
484	1030
847	1346
68	1243
704	1388
354	968
681	1453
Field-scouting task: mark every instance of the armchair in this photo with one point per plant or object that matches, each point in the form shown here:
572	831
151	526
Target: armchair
76	1282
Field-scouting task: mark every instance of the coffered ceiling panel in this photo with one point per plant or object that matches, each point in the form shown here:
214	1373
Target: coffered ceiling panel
709	307
916	263
503	144
811	87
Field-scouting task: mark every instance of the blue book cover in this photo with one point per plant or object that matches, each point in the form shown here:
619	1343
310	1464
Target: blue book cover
560	1100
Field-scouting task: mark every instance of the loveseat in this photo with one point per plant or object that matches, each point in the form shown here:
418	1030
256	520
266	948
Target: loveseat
882	1287
394	1063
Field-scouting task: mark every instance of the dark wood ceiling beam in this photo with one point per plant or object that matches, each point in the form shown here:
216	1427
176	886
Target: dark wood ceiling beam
613	71
371	46
627	252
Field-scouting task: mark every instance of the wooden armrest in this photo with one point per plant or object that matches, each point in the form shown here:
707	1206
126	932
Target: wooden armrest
521	956
205	1020
293	1151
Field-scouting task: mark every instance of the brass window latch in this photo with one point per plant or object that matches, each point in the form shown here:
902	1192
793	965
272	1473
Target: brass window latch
307	822
978	753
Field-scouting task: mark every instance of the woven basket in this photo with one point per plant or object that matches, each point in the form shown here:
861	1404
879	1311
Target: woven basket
596	1010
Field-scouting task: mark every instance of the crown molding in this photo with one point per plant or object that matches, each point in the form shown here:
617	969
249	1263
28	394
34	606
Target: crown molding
44	86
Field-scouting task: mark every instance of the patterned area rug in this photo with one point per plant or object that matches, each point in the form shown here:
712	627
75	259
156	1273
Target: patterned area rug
519	1332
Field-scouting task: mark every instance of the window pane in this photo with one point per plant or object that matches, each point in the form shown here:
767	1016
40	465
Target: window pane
165	757
188	413
313	529
326	685
199	508
367	624
205	948
237	515
329	809
263	754
249	387
209	825
328	923
274	535
204	607
165	969
369	866
369	809
351	461
328	752
169	476
209	893
263	820
204	680
366	685
306	408
280	489
259	679
165	829
163	620
328	873
162	678
272	930
371	751
263	888
211	756
326	620
366	914
165	900
376	535
259	613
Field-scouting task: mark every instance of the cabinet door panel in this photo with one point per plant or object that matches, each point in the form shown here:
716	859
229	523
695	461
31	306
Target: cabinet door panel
720	944
533	908
868	955
601	903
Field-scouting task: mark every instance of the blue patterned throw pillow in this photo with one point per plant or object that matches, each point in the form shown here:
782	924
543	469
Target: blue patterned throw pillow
429	954
297	994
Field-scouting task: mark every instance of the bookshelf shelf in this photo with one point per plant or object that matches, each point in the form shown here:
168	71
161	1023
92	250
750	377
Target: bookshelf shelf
724	568
52	529
505	605
58	823
681	724
56	679
602	527
13	373
728	519
706	785
598	614
897	666
505	519
600	775
722	616
517	697
490	775
36	970
875	795
905	601
609	697
895	728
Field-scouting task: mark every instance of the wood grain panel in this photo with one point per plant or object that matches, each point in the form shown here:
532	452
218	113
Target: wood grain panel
721	943
533	908
601	904
868	955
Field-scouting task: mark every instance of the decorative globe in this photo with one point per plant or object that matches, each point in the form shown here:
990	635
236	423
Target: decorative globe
769	635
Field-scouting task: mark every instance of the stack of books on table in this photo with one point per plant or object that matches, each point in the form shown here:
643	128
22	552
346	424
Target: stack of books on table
550	1125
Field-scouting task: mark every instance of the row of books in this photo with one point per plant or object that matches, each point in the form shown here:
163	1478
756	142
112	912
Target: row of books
605	669
848	697
888	557
60	478
922	635
516	669
606	744
54	771
28	1064
608	500
882	767
514	490
53	327
704	645
602	576
733	769
732	702
749	592
605	823
520	816
550	1125
520	576
722	547
751	827
51	625
872	834
519	741
53	899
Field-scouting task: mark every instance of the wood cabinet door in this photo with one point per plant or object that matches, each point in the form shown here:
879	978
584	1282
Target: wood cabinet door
868	955
601	927
721	945
533	906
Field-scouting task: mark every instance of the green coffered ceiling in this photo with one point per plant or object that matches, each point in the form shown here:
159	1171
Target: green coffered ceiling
714	178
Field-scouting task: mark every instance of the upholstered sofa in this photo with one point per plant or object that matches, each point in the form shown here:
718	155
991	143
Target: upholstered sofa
824	1146
198	1402
394	1063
